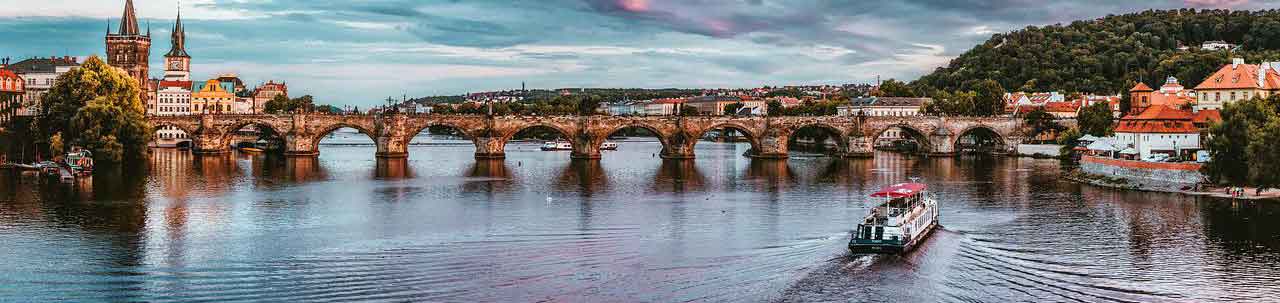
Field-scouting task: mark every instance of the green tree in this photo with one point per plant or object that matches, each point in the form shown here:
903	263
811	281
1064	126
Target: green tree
277	105
895	88
56	146
99	108
989	100
1264	155
589	105
1229	140
688	110
1041	122
732	109
775	108
1096	119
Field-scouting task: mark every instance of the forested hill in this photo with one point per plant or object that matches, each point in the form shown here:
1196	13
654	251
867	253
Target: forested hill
1110	54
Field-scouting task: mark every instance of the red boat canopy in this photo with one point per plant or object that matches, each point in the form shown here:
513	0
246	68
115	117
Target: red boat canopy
902	190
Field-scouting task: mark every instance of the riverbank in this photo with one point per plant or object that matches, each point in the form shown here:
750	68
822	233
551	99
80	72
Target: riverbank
1076	175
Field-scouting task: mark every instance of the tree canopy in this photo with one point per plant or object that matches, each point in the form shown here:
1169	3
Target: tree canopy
98	108
1111	54
1243	146
1096	119
280	104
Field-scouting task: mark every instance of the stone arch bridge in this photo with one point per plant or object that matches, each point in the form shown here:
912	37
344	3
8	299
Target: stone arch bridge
769	136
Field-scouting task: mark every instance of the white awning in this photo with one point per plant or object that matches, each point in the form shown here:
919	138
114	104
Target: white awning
1129	151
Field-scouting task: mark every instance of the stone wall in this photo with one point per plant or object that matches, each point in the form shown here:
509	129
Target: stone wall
1051	150
1178	173
768	136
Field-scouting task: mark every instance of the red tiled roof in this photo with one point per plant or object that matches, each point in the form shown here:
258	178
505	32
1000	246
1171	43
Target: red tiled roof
10	82
1141	87
1207	116
1160	112
1240	76
1158	119
1061	107
183	84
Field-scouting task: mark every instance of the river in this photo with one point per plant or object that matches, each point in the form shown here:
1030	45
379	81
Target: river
631	227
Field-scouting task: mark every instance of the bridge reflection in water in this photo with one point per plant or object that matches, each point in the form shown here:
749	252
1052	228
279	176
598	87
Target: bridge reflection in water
450	228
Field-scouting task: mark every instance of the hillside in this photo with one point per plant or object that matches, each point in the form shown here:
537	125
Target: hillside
1110	54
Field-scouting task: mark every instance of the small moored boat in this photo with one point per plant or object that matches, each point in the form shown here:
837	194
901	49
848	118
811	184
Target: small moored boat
609	146
905	219
556	146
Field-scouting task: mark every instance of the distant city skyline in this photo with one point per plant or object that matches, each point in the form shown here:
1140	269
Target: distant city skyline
360	53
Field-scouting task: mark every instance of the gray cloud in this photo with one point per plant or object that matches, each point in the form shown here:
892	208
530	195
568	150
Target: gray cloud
347	49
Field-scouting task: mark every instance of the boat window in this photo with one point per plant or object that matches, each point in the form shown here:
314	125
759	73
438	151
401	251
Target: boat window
879	233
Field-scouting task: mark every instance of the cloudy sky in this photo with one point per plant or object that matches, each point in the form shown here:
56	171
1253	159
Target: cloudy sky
359	52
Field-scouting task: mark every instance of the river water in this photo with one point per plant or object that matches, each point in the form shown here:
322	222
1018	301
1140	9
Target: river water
631	227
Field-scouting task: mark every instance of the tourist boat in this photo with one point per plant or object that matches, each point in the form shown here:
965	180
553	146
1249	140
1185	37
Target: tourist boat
903	220
556	145
80	162
609	146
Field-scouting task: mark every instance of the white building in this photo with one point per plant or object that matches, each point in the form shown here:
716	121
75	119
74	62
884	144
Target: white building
883	107
1216	45
243	106
663	107
173	98
1160	130
40	74
626	108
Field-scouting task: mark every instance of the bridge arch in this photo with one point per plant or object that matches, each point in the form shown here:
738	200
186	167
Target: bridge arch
998	139
564	133
225	135
840	136
663	138
752	137
920	136
190	130
414	132
329	129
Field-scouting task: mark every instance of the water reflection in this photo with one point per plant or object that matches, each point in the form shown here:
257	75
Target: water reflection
629	227
584	177
677	176
393	169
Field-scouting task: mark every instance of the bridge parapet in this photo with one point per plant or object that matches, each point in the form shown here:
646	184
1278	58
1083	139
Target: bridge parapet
769	136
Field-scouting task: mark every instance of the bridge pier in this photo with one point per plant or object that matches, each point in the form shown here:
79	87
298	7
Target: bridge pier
205	143
301	145
771	147
390	147
490	148
585	149
942	143
681	151
860	147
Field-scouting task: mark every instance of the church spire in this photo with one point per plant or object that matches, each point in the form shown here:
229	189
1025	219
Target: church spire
178	39
128	22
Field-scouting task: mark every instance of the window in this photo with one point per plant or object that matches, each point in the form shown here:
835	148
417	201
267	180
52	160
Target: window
1217	96
1233	96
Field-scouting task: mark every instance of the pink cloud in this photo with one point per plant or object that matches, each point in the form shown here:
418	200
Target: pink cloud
636	6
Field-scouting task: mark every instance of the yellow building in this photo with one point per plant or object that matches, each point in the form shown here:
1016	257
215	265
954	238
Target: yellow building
1238	81
211	97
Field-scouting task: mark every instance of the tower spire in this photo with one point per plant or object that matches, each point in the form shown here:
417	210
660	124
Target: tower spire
129	21
178	38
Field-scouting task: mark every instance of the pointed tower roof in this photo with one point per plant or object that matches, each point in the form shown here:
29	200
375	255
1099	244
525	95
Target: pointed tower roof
1141	87
178	44
128	22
